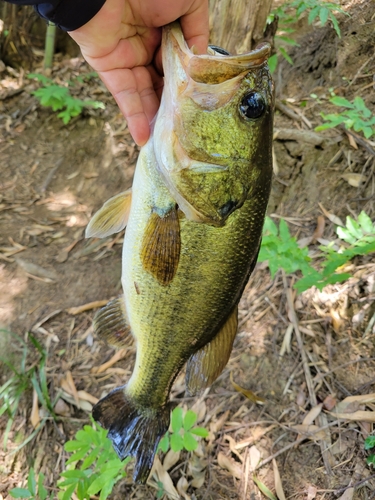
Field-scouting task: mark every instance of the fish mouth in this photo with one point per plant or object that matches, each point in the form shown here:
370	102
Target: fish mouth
210	80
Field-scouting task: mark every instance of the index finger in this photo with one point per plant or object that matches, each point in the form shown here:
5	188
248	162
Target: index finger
195	26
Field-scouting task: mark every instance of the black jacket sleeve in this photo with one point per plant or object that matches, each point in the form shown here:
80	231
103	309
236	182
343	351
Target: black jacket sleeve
66	14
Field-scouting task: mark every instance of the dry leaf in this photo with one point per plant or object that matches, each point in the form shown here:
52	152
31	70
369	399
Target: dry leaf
198	479
247	393
182	487
352	141
165	479
229	465
329	402
357	416
257	433
85	396
232	446
347	495
353	403
116	357
319	230
82	405
353	179
87	307
285	346
311	492
333	218
61	408
312	432
171	458
278	485
34	417
70	387
254	455
312	414
36	270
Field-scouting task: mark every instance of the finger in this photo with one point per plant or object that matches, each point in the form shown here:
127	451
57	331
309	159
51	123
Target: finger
124	87
195	26
149	85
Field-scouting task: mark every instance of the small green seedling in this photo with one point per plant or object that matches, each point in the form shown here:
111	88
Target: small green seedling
93	467
21	381
183	432
59	98
290	12
282	252
369	444
355	116
35	489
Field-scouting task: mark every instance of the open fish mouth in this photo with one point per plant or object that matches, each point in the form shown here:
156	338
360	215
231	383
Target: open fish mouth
205	170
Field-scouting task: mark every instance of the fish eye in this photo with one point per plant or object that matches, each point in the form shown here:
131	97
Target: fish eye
252	105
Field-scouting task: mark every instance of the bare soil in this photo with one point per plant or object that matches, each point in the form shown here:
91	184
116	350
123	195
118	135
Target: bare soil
54	177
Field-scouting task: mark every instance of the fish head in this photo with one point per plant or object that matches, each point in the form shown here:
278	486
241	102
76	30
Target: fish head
213	132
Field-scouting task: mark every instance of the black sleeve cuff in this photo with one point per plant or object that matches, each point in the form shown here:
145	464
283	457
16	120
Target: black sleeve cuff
69	15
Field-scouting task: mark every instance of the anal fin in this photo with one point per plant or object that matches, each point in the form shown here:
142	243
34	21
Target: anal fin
111	325
161	246
112	217
205	365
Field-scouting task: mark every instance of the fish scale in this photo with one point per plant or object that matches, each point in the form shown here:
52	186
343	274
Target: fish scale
193	223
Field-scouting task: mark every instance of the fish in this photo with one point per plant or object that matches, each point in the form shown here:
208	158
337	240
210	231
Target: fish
193	219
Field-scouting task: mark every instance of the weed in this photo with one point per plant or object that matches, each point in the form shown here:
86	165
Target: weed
369	444
35	488
289	13
282	251
356	115
23	379
94	466
183	432
59	98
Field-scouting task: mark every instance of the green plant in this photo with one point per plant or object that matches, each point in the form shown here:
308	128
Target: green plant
35	489
282	251
369	444
182	434
59	98
93	466
356	115
289	13
23	379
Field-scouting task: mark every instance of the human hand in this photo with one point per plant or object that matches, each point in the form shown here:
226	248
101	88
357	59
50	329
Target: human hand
122	43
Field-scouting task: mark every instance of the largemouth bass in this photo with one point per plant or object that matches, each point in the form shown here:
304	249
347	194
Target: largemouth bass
193	222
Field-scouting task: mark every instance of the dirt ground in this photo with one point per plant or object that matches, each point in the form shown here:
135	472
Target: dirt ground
54	177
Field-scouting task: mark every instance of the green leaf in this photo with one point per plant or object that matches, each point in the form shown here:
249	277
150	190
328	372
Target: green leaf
323	15
189	419
341	101
272	63
102	480
190	443
199	431
370	460
366	223
286	56
164	443
20	493
68	492
31	482
177	443
176	419
369	442
353	227
313	14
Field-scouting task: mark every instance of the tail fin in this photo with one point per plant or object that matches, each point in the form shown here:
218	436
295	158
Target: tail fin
133	430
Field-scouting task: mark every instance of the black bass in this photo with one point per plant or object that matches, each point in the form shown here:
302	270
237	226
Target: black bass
193	222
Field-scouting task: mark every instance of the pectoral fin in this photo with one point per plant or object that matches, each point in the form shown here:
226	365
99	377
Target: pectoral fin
111	218
205	366
111	325
161	246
